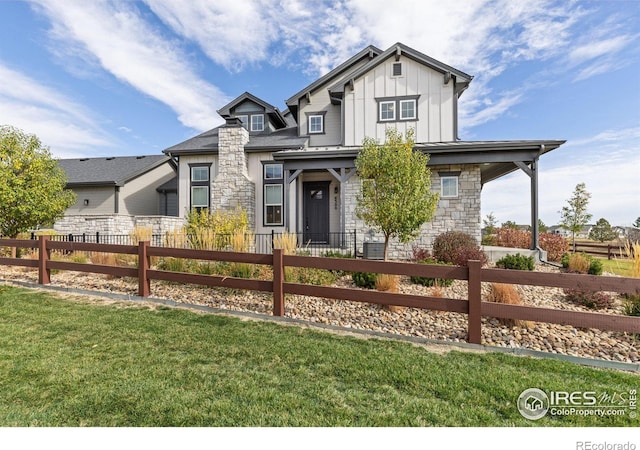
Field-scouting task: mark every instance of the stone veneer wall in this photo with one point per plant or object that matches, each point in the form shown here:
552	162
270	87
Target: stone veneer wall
115	224
232	187
452	214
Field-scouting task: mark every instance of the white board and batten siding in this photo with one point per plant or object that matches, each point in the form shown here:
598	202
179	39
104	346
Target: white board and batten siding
435	106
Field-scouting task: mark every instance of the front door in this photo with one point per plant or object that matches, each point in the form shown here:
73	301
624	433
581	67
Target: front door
316	212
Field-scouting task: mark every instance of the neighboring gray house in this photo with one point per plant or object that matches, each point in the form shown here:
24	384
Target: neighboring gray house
112	192
294	170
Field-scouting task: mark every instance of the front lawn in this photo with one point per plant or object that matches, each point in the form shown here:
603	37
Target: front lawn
77	363
622	267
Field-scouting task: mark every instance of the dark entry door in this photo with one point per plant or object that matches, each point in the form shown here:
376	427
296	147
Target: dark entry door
316	212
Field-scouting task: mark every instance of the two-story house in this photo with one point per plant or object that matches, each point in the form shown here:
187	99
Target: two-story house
294	170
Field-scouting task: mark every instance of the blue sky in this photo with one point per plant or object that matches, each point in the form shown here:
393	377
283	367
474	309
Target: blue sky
129	78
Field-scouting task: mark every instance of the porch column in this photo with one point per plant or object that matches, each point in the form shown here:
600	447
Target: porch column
288	179
342	178
532	172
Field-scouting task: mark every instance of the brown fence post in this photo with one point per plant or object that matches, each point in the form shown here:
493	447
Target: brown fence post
44	254
144	283
475	303
278	282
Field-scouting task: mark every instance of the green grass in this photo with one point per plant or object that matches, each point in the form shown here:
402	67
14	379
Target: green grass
70	363
620	267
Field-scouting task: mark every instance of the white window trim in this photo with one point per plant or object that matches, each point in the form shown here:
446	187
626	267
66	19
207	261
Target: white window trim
262	123
281	172
392	102
193	170
321	130
442	179
415	106
193	205
281	204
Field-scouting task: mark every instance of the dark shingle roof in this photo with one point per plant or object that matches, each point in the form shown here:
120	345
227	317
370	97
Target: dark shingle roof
112	171
207	142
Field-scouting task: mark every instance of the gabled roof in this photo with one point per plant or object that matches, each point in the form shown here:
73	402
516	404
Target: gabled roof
369	52
207	142
111	171
398	49
277	118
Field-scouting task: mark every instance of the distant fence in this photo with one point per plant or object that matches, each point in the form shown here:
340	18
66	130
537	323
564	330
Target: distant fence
312	244
473	306
598	249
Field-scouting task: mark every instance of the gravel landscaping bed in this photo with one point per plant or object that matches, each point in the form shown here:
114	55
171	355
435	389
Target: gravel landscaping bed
443	326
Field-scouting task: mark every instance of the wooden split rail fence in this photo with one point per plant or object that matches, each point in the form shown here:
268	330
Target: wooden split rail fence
473	306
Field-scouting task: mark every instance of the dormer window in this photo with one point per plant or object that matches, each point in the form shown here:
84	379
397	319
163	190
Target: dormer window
257	122
245	121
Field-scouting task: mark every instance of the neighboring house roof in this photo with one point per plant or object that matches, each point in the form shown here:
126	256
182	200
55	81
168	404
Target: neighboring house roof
462	79
207	142
111	171
274	113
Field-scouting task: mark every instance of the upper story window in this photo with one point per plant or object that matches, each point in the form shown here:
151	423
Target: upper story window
315	122
387	110
397	70
393	109
407	109
257	122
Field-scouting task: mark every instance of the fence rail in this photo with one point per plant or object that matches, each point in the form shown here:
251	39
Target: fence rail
473	306
599	249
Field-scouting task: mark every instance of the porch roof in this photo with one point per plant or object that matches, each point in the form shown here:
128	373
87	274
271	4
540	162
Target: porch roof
497	158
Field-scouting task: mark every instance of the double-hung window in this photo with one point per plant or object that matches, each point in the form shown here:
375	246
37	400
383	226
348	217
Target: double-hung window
257	122
200	185
273	194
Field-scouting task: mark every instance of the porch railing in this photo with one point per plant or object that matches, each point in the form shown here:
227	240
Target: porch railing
311	244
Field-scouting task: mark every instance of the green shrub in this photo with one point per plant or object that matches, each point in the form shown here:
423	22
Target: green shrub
590	299
307	275
631	304
242	270
595	267
174	264
516	262
426	281
564	260
337	254
364	279
447	246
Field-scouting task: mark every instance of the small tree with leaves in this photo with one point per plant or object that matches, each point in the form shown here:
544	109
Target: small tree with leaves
32	185
395	196
510	224
602	231
575	216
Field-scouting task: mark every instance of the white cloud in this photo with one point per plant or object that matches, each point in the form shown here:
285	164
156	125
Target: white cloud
57	120
128	47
